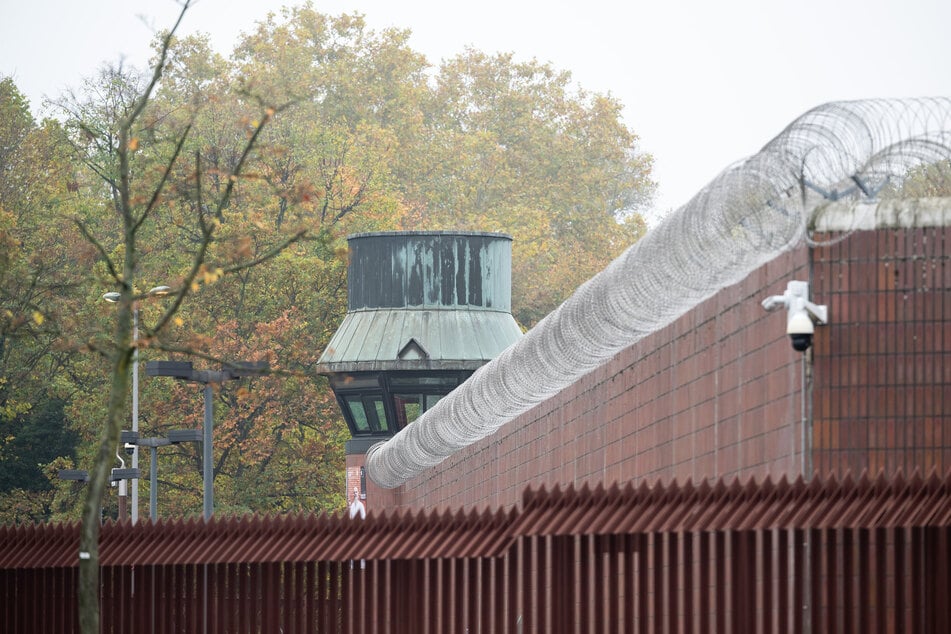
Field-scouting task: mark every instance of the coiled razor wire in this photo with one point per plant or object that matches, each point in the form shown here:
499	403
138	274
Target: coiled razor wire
748	215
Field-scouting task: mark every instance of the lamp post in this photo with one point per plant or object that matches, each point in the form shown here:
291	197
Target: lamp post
183	371
174	437
116	476
114	297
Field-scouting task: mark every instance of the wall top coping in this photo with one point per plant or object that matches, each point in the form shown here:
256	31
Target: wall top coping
883	214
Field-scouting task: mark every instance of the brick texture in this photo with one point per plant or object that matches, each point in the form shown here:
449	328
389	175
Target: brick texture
883	367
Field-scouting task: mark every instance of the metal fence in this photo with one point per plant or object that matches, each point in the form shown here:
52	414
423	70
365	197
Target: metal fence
823	556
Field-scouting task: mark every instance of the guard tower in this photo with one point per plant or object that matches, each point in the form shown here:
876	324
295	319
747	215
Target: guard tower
425	310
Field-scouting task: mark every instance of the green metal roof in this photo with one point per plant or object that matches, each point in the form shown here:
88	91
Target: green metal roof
414	339
424	300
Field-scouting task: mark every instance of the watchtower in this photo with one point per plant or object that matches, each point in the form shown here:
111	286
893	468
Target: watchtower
425	309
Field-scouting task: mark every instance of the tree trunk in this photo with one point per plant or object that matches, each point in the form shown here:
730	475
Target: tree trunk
98	477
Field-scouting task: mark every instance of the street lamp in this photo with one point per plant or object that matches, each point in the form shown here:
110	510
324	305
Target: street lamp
116	476
183	371
114	297
174	437
76	475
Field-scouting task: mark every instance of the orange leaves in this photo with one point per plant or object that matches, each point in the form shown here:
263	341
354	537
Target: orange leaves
242	249
342	253
304	193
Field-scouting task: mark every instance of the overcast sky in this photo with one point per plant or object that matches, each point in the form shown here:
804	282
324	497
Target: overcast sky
704	83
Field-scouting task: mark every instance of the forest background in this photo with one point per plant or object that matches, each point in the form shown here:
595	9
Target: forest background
363	134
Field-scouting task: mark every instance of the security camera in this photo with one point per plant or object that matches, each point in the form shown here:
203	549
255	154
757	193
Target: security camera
799	327
801	314
129	448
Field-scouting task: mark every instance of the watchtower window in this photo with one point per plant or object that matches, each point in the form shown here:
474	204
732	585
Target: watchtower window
409	407
367	413
383	403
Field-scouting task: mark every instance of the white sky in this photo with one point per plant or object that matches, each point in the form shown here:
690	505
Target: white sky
704	82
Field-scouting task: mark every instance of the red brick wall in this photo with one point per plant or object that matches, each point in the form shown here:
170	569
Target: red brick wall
883	377
714	394
718	392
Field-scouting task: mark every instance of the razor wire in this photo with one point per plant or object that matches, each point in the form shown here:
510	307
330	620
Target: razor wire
748	215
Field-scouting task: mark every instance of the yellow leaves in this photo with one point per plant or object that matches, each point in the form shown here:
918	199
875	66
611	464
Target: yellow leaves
38	318
213	275
178	321
206	276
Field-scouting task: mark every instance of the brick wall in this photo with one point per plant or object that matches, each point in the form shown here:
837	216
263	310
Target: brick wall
719	393
882	392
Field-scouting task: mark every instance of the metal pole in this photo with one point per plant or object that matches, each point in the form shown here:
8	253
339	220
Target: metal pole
135	410
207	465
153	484
802	420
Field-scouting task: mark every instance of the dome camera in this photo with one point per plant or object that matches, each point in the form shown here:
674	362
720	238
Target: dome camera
800	328
801	343
801	314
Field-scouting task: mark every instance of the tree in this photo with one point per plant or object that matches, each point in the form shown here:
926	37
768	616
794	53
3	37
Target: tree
312	168
930	179
37	256
510	146
279	448
194	178
29	442
144	171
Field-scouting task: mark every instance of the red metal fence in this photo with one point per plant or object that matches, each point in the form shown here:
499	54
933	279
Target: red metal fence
824	556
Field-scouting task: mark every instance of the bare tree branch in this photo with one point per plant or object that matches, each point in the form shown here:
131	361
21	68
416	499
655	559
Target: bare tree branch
101	249
157	191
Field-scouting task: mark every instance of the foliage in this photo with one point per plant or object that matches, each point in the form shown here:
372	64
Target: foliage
928	180
511	147
28	442
315	126
39	265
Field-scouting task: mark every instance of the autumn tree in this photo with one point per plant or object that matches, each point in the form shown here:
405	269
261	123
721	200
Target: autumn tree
482	142
39	254
197	166
930	179
312	168
146	170
513	146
